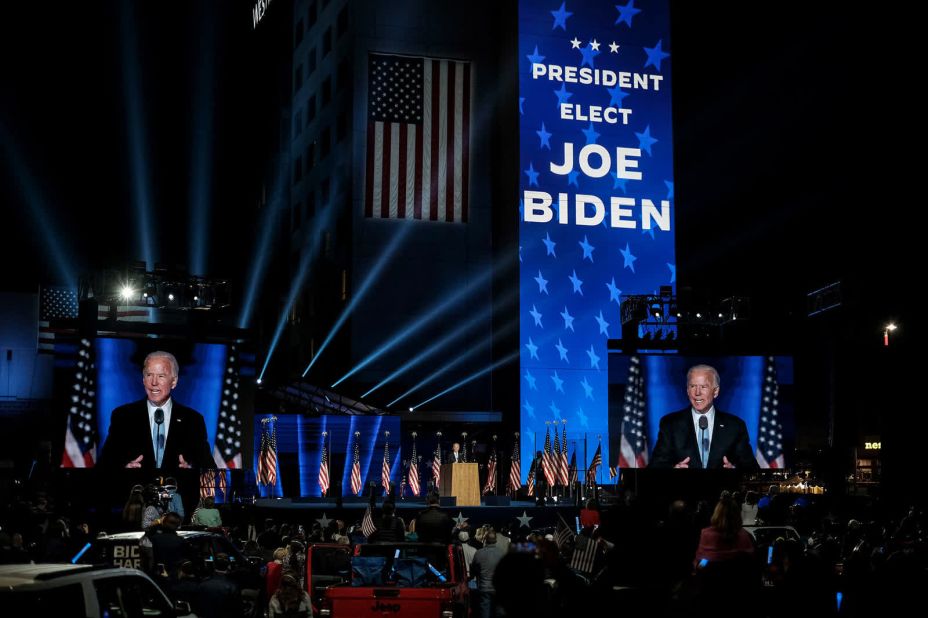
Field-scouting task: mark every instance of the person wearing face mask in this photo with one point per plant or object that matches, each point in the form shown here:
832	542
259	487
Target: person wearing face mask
157	432
701	436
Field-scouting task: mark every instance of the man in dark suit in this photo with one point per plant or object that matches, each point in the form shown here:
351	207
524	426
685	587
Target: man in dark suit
157	432
455	456
701	436
433	525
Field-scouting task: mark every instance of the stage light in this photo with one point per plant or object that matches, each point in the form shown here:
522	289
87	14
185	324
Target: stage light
365	286
891	327
699	315
171	297
126	293
423	320
410	408
258	380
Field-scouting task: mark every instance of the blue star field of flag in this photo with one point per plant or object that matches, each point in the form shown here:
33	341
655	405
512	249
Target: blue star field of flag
572	276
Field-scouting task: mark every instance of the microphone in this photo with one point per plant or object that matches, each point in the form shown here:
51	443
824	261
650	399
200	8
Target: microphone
703	421
703	425
159	417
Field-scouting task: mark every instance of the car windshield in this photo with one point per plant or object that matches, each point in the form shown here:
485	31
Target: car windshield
63	601
402	565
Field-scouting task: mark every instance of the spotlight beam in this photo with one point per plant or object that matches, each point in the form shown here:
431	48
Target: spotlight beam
372	276
441	343
471	378
36	203
297	284
202	140
137	144
262	250
457	361
420	322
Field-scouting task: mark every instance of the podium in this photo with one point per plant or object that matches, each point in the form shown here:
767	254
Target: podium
461	480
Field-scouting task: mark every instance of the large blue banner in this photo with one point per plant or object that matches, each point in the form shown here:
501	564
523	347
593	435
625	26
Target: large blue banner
596	194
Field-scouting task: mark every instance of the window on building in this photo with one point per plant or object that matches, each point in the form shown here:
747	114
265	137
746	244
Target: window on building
327	42
297	169
326	91
311	110
341	126
342	23
342	75
325	192
325	143
298	78
310	157
298	34
297	124
311	61
311	15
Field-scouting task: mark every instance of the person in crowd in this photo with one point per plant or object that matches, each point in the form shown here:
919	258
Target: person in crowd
433	525
482	569
390	528
153	509
133	509
207	514
724	539
589	514
275	571
176	503
290	601
219	594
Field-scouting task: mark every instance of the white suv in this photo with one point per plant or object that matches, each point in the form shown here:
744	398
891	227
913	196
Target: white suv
82	591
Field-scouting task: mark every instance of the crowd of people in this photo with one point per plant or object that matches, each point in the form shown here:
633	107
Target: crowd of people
690	558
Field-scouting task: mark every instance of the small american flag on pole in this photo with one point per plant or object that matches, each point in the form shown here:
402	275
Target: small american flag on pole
418	138
80	441
547	461
595	464
414	469
436	462
563	475
267	460
633	451
385	467
491	471
367	523
515	470
356	465
324	466
769	453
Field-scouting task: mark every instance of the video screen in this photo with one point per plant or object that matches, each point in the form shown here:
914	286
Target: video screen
94	377
655	411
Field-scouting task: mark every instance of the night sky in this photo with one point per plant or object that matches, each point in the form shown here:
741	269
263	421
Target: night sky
794	133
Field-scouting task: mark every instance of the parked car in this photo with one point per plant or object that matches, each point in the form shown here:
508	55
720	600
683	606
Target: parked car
83	591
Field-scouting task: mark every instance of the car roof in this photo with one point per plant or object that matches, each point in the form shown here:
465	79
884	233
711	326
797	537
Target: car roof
21	574
135	536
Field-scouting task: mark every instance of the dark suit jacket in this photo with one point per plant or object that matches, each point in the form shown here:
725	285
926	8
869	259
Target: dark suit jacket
130	436
677	440
449	458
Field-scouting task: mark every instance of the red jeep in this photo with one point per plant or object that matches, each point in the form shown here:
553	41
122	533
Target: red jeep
412	580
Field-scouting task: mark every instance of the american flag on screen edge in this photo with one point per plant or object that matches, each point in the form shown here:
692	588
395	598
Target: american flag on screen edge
80	441
55	303
227	450
595	463
769	453
418	138
633	451
385	467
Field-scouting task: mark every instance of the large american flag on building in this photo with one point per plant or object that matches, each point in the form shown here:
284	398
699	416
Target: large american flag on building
55	303
80	441
227	452
356	465
633	449
418	138
769	453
